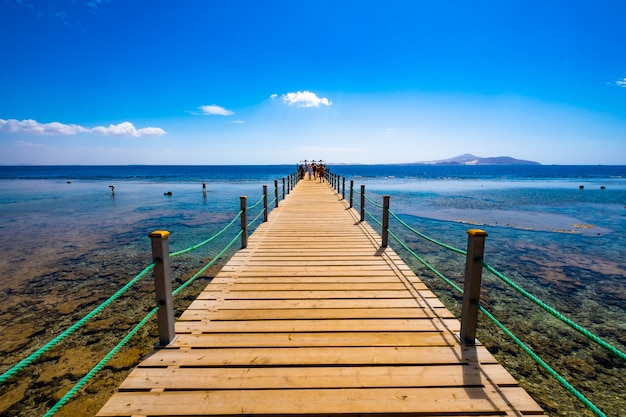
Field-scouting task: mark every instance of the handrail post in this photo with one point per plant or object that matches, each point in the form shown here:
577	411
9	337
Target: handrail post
288	183
163	286
283	188
343	191
264	203
351	192
385	231
471	286
275	193
243	204
362	203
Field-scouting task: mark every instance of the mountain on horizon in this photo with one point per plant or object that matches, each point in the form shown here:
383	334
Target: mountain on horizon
469	159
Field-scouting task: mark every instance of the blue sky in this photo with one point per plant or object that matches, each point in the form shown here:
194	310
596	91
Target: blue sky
266	82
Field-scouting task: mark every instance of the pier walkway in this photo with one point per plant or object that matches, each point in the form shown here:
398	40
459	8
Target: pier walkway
313	318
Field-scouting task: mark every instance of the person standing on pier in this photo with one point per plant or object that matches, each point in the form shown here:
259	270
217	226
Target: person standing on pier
320	172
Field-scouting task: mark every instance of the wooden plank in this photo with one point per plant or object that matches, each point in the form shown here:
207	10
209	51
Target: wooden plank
279	278
432	401
457	375
432	338
325	325
308	304
317	313
368	355
269	285
303	295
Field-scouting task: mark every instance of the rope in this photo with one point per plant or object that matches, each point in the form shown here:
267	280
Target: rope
204	268
194	247
372	216
544	365
39	352
256	218
373	202
256	204
426	264
521	344
125	340
100	364
436	242
522	291
556	314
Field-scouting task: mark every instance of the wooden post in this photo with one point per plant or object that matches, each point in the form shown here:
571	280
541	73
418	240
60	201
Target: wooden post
275	193
243	204
343	190
163	286
385	231
351	192
264	203
283	188
362	203
471	286
288	183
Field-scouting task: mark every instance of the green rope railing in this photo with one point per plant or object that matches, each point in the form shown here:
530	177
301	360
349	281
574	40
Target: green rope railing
521	344
256	204
543	364
426	264
423	236
39	352
215	236
251	222
100	364
74	390
42	350
374	219
526	294
557	314
207	266
375	204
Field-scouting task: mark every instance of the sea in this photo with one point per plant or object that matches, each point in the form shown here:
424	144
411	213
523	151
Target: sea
73	234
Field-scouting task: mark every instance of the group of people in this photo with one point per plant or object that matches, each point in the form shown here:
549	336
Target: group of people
312	169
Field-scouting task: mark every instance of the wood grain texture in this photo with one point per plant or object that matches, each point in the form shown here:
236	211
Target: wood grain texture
314	319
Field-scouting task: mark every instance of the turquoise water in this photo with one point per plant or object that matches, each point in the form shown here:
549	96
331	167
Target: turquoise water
560	232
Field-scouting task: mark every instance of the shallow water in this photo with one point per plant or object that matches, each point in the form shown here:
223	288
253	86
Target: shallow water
69	242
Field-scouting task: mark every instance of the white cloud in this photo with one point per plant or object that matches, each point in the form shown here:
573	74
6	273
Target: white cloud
36	128
127	129
622	83
33	127
305	99
216	110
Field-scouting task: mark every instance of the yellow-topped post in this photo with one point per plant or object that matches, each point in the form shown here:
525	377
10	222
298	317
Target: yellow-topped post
471	286
163	285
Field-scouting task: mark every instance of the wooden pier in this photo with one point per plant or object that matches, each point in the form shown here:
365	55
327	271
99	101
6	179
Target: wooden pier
313	318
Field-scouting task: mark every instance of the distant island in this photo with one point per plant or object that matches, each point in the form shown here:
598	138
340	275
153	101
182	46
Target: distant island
469	159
